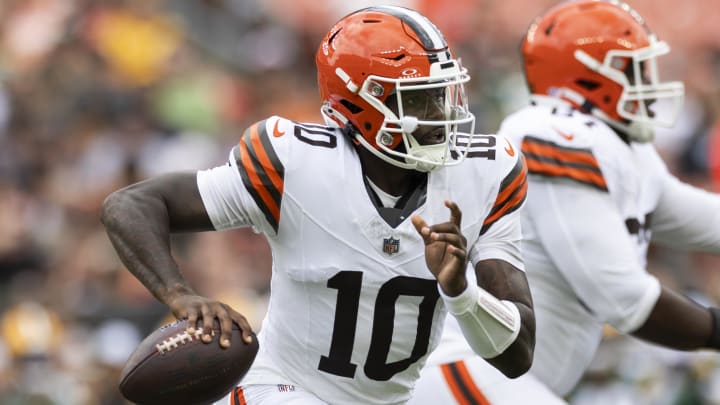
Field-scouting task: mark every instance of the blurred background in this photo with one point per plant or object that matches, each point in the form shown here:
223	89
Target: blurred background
95	95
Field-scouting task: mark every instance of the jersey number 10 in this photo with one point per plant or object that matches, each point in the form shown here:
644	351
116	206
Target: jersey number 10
348	284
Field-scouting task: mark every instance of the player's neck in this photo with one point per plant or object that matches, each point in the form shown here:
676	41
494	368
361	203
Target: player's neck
391	179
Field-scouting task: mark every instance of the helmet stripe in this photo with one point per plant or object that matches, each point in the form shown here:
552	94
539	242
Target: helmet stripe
429	35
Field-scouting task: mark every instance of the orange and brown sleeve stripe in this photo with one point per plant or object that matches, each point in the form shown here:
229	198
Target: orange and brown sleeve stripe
461	384
549	159
512	194
238	397
261	170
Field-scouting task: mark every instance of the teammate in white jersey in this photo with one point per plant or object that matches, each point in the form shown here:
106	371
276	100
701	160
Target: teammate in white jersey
363	216
597	192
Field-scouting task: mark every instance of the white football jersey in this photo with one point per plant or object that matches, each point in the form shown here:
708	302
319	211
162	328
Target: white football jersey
593	202
586	232
353	309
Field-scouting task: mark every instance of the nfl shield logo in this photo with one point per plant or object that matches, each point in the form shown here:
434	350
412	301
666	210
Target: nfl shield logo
391	245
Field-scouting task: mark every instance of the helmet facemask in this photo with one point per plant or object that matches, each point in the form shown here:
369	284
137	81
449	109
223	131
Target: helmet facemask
636	71
427	113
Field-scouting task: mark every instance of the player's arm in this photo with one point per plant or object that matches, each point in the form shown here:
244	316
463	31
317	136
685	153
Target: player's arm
588	242
504	297
508	298
687	217
139	219
496	313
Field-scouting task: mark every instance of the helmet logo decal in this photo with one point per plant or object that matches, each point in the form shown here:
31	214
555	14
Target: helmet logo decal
409	72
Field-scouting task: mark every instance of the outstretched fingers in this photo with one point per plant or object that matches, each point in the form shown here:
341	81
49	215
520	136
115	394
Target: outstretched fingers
450	232
422	228
455	213
455	243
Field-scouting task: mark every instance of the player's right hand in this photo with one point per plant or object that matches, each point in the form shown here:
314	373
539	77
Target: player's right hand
201	313
445	250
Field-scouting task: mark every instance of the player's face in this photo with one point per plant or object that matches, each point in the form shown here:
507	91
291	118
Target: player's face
425	105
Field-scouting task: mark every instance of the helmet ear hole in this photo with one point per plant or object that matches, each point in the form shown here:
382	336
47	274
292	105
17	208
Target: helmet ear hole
353	108
587	84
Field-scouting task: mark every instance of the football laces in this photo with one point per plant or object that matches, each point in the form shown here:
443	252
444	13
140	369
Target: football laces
180	339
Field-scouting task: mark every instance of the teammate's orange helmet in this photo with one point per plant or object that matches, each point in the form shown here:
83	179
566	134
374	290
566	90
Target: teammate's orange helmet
388	71
600	56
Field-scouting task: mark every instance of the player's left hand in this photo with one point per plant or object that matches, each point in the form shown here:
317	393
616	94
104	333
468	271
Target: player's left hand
445	250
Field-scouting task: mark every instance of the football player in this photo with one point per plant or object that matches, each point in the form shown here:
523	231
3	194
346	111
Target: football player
597	192
372	219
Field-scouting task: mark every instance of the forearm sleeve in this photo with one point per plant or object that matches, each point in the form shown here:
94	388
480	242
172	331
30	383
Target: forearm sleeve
490	325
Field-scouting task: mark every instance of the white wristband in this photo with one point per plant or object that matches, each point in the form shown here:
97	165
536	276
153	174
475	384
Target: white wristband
490	325
461	303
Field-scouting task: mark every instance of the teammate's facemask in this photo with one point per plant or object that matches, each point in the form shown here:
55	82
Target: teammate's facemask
600	56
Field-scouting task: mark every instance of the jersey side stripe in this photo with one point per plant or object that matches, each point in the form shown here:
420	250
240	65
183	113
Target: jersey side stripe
238	397
513	191
549	159
261	171
464	390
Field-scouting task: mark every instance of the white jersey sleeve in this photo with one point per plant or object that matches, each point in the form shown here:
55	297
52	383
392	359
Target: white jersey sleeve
502	241
586	230
248	190
588	241
224	196
581	201
687	217
501	233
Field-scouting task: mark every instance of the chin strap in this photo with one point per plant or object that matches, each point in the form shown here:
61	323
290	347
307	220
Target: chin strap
332	117
490	325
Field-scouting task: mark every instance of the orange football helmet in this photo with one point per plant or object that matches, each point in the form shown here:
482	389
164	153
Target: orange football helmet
387	71
600	56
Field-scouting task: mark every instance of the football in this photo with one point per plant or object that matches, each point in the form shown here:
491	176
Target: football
171	366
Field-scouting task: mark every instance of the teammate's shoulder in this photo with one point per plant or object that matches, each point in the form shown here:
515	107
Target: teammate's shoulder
560	142
558	125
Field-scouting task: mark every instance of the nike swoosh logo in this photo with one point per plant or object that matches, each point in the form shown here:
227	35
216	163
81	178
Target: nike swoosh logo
509	149
565	135
276	132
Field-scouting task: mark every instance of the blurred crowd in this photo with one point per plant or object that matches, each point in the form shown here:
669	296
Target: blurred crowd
98	94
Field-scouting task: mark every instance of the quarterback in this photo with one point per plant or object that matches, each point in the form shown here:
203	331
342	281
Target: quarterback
598	192
372	219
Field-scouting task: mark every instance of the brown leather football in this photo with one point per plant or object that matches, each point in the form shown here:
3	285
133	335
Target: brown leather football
171	366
